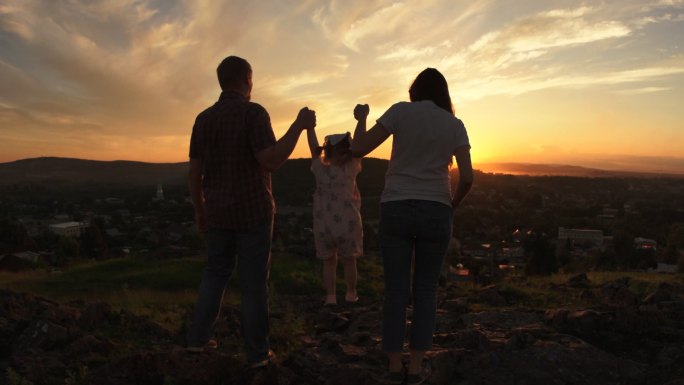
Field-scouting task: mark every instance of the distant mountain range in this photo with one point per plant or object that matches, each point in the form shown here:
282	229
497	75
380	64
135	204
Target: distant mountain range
566	170
62	171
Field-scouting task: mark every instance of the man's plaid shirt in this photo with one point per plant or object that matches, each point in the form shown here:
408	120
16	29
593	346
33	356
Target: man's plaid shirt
225	137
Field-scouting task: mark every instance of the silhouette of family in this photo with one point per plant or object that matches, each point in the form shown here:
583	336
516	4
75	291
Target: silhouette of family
233	151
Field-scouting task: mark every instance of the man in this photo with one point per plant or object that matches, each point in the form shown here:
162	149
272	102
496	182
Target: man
232	153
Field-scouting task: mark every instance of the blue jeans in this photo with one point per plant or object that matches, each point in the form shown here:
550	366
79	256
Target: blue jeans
415	230
252	250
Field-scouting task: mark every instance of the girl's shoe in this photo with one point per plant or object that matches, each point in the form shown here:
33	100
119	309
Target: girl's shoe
351	300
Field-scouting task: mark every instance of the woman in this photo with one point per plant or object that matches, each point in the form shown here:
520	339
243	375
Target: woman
416	212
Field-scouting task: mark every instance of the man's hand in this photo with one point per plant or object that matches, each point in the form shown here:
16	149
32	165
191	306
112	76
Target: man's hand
361	111
306	119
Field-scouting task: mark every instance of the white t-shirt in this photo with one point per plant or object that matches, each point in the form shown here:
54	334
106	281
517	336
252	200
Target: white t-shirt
425	137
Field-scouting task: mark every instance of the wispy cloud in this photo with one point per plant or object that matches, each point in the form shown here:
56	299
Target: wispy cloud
644	90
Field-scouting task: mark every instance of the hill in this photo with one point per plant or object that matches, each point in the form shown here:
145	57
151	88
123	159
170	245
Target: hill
70	171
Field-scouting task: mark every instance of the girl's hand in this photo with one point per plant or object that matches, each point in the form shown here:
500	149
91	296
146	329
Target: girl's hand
306	119
361	111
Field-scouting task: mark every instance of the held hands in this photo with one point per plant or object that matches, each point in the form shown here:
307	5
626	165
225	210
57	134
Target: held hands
361	111
306	119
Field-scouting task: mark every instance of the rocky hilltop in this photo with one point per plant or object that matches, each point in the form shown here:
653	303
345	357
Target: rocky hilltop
484	338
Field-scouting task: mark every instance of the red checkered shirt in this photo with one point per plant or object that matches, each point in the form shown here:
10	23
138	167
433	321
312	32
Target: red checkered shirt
225	137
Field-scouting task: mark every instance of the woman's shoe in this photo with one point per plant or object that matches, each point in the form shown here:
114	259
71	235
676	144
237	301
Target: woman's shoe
265	362
419	378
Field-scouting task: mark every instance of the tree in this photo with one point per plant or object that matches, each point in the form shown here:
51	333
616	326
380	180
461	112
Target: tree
541	258
13	237
67	249
93	244
675	242
623	243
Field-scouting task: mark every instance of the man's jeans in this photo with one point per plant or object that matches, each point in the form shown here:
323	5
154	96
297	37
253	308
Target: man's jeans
252	249
408	227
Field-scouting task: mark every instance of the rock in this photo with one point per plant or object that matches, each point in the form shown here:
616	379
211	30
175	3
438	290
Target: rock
579	281
669	355
443	364
458	305
617	293
472	339
95	314
364	320
490	295
42	335
664	292
89	344
587	294
329	321
519	340
603	345
362	339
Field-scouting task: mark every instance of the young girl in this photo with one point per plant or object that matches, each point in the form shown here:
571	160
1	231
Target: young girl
338	232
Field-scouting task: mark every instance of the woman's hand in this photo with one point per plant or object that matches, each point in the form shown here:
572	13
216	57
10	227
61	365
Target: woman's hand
361	111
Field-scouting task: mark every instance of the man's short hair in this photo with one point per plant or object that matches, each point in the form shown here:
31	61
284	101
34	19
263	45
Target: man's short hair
232	71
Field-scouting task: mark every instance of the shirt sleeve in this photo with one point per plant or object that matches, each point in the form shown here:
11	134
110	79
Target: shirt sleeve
391	117
259	128
196	149
462	136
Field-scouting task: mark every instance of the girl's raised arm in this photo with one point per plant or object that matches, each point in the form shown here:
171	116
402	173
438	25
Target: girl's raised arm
313	143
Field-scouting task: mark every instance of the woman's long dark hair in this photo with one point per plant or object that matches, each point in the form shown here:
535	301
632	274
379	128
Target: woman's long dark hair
431	85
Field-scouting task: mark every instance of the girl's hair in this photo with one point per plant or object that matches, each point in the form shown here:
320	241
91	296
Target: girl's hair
431	85
328	148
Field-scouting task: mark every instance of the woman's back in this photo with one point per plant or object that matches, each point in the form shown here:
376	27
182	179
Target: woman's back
425	138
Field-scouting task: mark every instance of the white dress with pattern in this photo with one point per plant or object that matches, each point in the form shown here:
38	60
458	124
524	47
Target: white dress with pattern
336	210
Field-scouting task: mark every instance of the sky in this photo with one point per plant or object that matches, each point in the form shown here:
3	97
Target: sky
595	83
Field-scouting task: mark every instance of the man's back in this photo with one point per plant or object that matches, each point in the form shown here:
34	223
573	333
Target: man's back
237	190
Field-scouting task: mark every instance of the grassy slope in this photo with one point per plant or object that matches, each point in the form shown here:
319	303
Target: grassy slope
139	283
164	289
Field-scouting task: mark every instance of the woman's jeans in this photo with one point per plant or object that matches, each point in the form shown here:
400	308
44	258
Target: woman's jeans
252	250
418	230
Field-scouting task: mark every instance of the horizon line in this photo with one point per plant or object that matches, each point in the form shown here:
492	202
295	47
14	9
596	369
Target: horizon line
509	167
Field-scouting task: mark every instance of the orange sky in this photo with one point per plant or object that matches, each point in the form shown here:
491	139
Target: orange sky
534	81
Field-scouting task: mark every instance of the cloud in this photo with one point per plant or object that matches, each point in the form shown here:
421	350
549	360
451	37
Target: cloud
644	90
382	22
538	35
133	71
